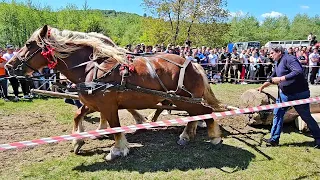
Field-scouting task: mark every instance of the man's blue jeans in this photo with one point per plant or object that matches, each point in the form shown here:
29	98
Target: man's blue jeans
303	110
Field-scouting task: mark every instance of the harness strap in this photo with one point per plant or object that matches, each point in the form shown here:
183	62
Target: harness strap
181	75
82	64
155	73
177	64
95	70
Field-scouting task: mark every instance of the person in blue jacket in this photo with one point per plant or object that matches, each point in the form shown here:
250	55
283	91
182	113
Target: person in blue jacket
288	74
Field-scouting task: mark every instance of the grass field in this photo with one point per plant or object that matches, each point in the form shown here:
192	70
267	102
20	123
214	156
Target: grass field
154	153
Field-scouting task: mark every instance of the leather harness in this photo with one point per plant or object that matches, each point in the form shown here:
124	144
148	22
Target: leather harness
180	85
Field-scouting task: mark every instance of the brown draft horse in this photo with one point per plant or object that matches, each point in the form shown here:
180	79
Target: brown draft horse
84	58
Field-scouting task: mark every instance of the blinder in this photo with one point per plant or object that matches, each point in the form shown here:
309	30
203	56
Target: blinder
46	52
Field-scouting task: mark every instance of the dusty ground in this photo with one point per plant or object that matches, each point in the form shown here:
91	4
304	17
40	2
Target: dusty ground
39	123
34	125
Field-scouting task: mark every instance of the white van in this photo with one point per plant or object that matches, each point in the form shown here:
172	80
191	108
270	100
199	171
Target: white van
289	43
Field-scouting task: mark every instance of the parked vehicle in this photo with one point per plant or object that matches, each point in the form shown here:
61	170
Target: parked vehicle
246	45
289	43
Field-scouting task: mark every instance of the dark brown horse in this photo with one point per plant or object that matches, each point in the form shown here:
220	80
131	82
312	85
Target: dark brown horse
86	60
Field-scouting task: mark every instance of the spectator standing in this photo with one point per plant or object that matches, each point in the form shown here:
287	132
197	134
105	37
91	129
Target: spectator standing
254	67
235	66
213	60
13	80
222	59
262	59
290	51
190	57
269	65
313	63
303	59
3	80
226	65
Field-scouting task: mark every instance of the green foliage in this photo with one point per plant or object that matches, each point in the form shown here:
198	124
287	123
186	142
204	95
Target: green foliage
19	20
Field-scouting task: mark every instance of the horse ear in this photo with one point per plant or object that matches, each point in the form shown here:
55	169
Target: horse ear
44	31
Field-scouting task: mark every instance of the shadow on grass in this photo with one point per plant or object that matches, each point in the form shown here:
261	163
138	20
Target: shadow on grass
301	144
287	128
159	152
312	175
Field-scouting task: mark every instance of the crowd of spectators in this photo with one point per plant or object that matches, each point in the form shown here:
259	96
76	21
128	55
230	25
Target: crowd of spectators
252	65
223	65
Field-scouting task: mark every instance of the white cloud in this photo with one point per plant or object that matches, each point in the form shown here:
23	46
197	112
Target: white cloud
236	14
272	14
304	7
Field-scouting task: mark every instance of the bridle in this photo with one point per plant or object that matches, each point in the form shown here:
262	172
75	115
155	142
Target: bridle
46	52
24	61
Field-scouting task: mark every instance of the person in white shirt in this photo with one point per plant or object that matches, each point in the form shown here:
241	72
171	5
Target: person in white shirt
245	65
13	81
25	86
313	63
213	60
190	57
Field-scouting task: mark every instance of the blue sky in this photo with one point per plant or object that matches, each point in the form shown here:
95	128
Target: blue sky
257	8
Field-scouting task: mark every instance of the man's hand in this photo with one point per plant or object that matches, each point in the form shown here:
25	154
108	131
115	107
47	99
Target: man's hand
260	88
264	85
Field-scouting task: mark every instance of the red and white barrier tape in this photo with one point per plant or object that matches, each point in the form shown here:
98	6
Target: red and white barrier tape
95	133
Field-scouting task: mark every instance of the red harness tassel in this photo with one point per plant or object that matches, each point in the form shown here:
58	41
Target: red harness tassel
49	56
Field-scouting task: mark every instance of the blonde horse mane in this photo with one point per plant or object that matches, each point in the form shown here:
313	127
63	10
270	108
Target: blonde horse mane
65	42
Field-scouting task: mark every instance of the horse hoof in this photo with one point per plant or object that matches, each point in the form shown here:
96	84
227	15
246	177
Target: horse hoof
202	124
77	144
115	153
216	144
111	157
216	141
182	142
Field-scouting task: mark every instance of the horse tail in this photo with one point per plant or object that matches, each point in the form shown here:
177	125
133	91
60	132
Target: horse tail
208	94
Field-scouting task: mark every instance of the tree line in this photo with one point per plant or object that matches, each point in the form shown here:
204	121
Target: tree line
173	21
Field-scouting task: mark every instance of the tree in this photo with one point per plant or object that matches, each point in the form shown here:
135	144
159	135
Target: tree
301	26
243	29
85	5
192	11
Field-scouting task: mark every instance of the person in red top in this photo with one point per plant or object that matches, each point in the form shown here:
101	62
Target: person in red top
3	80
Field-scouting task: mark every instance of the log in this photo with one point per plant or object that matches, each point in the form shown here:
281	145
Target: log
302	126
252	98
55	94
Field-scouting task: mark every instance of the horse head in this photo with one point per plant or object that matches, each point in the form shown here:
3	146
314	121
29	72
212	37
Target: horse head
33	56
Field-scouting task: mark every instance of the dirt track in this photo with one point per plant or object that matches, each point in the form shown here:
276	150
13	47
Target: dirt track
34	125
